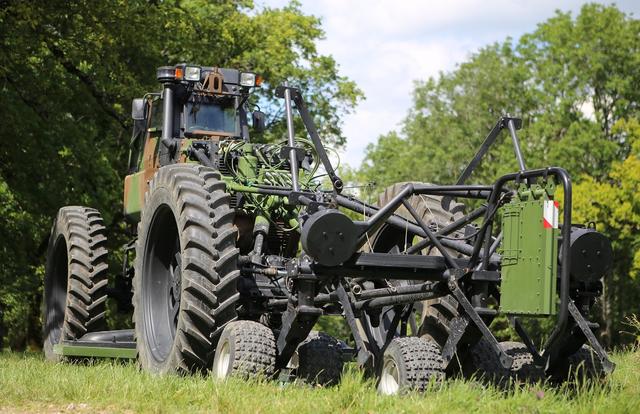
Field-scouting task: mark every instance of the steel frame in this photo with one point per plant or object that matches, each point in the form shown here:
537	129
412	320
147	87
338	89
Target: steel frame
440	275
312	286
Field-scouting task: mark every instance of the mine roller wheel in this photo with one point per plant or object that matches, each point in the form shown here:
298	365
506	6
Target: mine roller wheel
75	282
184	287
246	349
581	366
319	359
410	364
484	364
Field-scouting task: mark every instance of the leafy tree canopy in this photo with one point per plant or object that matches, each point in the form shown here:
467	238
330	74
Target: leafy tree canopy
69	71
570	80
575	83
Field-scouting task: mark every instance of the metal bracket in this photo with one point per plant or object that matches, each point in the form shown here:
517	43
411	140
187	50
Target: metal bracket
505	359
365	357
393	327
458	327
285	151
522	333
607	365
485	276
297	322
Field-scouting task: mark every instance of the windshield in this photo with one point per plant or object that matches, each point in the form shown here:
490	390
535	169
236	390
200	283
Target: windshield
208	116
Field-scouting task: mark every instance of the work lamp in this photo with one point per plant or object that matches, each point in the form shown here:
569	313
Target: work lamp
247	79
192	73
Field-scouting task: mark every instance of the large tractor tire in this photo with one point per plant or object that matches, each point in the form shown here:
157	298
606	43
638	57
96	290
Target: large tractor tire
184	288
436	318
410	364
75	282
434	314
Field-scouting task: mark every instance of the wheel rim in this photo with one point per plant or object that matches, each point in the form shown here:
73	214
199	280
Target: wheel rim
161	280
389	378
175	289
223	361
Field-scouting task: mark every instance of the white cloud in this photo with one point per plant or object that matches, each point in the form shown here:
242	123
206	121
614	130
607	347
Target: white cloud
387	80
385	45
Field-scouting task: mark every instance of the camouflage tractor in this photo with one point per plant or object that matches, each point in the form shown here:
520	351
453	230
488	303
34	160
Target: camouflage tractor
237	249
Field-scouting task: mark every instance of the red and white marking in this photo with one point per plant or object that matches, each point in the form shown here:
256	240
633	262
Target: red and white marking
550	214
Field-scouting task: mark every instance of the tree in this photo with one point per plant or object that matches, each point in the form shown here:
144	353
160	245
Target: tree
574	81
613	203
570	81
69	71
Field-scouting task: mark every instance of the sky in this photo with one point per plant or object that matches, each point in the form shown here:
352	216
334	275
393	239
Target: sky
373	41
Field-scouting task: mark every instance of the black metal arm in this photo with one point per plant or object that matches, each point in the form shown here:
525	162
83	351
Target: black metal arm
307	120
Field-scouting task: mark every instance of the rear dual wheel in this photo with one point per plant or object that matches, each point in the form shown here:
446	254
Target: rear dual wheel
75	279
184	288
318	360
583	365
247	349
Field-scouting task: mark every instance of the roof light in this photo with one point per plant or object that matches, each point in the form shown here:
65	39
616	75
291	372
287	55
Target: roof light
247	79
192	73
166	73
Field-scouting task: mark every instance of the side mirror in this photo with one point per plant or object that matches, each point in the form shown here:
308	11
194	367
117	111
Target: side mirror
258	120
137	109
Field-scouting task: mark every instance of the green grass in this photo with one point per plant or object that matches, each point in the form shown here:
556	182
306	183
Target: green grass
29	384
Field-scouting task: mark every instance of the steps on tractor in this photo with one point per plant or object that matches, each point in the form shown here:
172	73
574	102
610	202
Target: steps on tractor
102	344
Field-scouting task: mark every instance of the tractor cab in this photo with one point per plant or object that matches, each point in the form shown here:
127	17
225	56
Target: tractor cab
197	104
205	101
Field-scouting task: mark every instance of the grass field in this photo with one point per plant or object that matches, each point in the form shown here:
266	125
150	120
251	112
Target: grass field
29	384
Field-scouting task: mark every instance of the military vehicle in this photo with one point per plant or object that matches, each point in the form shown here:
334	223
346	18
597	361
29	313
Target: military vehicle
237	249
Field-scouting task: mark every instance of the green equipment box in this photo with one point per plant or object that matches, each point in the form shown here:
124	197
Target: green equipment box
530	252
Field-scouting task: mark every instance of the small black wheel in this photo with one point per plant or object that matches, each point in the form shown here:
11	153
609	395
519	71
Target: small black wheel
583	365
410	364
185	282
75	279
319	359
484	364
246	349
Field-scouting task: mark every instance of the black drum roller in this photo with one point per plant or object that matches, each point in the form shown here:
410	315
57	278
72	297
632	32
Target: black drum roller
329	237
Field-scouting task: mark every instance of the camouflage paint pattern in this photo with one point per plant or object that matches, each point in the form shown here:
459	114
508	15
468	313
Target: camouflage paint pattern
137	184
134	195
